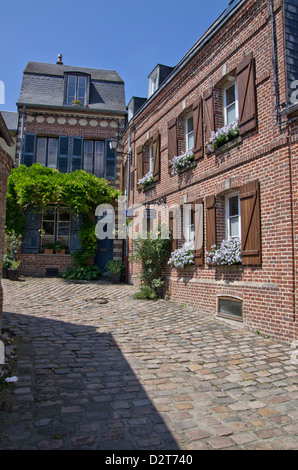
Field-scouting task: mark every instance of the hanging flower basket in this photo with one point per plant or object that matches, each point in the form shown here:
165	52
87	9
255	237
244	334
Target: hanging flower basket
228	253
182	257
181	162
223	135
146	180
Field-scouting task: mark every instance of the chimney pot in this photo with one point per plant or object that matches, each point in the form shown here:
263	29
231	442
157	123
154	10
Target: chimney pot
59	61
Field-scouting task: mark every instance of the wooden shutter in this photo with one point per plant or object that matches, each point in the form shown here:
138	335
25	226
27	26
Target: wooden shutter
139	163
63	154
250	224
198	209
30	240
110	163
210	222
172	141
29	149
121	177
209	119
76	153
198	128
156	156
246	95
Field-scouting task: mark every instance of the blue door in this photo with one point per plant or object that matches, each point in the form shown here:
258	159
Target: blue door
104	251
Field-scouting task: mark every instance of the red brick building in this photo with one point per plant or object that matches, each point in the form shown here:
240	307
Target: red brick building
242	69
67	117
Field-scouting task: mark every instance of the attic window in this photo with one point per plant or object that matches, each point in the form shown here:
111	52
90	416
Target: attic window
153	83
76	89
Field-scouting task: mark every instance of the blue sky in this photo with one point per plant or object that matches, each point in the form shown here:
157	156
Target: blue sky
129	36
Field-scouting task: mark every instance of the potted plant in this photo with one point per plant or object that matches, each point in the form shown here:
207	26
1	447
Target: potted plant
48	249
114	269
76	103
60	248
13	271
6	265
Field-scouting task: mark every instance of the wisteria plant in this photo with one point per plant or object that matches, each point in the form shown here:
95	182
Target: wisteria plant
183	256
146	180
223	135
228	253
182	161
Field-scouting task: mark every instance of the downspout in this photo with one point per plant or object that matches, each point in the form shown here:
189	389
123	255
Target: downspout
22	134
274	64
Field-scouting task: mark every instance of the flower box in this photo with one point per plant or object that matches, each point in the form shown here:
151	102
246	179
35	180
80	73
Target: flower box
146	180
182	257
229	253
182	162
223	135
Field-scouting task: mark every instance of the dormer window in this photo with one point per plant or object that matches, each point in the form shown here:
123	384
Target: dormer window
153	83
76	89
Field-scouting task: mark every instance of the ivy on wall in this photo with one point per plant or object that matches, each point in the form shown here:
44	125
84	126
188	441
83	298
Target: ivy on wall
38	186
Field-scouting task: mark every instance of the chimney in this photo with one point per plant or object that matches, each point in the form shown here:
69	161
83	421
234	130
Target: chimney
59	61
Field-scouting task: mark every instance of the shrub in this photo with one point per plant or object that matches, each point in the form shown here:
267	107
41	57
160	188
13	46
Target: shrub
88	273
146	293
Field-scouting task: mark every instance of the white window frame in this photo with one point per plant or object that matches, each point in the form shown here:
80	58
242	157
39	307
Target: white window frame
187	132
225	101
153	82
228	217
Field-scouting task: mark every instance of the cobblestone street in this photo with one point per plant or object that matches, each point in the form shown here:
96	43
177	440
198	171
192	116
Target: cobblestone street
99	370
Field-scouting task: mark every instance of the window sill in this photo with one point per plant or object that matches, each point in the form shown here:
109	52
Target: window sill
190	167
228	267
229	145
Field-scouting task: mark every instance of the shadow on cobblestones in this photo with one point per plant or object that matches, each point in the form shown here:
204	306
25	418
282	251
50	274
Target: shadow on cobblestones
75	389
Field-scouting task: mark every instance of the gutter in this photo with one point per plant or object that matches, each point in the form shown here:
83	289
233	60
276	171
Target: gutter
71	108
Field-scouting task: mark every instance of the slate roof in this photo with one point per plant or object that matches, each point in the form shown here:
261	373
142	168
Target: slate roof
10	119
43	84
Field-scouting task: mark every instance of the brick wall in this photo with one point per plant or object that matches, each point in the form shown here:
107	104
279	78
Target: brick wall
6	163
267	291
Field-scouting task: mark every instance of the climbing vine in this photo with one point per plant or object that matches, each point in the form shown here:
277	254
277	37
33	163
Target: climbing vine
39	187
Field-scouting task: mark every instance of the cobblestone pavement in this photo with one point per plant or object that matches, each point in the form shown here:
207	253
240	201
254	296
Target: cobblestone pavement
99	370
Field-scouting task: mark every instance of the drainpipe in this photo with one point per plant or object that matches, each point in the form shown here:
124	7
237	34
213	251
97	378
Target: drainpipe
127	186
274	63
22	134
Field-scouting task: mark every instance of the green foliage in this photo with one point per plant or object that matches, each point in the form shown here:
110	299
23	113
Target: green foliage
146	293
153	252
88	273
114	266
39	186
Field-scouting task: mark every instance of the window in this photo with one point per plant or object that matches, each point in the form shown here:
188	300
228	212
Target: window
153	83
93	161
151	157
233	222
230	103
189	224
76	89
56	226
46	151
189	136
229	307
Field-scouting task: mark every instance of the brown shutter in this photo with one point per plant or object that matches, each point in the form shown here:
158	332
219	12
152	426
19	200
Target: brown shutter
209	119
199	232
198	128
139	163
210	222
121	177
172	141
250	224
246	95
156	156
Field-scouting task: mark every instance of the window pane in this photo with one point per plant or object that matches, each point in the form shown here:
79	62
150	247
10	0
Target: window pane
52	153
71	89
88	156
230	307
234	227
64	214
190	124
233	206
82	82
190	141
230	95
49	214
41	149
151	158
99	159
189	133
231	113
